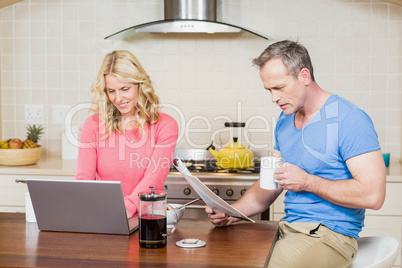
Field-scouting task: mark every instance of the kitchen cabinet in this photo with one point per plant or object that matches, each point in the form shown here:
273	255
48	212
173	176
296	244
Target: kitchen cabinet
12	198
384	222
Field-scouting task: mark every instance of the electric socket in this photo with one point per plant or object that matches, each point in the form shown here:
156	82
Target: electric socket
59	113
34	114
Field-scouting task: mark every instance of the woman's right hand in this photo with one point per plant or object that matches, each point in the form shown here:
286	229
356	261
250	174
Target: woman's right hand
219	219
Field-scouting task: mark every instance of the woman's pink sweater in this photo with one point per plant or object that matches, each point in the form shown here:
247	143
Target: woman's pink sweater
137	161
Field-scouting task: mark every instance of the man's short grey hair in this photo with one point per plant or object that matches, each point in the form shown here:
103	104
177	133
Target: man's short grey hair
294	55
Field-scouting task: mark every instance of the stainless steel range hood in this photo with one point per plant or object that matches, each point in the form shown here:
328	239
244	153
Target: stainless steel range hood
185	16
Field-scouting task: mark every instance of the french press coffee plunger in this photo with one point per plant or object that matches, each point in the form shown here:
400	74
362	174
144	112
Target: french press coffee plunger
152	214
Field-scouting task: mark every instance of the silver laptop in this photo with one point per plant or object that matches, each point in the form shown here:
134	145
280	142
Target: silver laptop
80	206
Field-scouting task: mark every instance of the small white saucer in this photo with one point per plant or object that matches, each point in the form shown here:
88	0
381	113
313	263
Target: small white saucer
190	243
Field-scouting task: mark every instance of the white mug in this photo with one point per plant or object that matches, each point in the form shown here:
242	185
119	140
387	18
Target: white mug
268	165
29	211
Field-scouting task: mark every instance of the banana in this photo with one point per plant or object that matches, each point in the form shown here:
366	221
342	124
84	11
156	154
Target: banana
5	144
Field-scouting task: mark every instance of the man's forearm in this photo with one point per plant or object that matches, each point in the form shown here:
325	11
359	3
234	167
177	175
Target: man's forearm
366	188
256	200
346	193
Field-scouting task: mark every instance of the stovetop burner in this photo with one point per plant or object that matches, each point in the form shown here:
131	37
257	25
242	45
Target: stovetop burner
209	166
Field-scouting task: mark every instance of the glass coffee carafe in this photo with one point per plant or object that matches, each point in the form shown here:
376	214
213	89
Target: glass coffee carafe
152	214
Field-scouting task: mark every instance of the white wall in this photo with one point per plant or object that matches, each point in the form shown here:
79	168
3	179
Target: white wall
51	51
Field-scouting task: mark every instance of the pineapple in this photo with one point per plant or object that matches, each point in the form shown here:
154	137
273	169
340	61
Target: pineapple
33	136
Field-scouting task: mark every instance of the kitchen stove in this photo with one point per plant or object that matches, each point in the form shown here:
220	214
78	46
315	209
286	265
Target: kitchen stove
209	166
230	185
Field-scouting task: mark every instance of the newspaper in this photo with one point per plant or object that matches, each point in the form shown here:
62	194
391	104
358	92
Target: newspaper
210	198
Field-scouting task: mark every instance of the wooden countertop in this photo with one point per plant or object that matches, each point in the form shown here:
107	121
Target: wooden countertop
240	245
55	166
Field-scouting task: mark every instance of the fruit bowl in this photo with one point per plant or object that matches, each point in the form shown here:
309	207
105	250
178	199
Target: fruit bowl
20	157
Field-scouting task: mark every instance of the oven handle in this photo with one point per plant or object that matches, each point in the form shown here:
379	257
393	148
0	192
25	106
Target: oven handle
196	207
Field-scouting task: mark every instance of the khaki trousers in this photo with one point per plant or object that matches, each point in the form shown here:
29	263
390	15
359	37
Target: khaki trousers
305	244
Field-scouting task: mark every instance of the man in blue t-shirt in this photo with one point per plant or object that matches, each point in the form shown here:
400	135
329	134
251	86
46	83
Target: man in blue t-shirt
333	169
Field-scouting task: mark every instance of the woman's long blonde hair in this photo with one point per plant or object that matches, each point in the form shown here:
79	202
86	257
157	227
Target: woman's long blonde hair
127	68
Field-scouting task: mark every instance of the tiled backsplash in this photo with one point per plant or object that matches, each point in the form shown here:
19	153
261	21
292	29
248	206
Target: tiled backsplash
51	51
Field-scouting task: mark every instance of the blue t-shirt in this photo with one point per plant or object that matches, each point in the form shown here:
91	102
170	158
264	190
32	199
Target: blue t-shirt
340	130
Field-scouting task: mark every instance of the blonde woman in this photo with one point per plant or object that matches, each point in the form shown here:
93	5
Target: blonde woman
127	139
